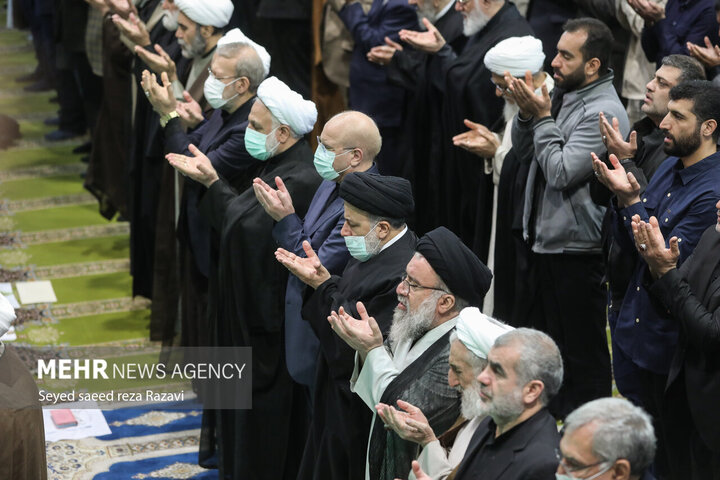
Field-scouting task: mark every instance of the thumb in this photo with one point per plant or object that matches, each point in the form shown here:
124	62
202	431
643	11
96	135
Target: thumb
186	95
134	20
281	186
374	327
429	25
633	182
708	44
633	140
675	247
471	125
310	253
195	151
545	93
409	408
362	311
528	78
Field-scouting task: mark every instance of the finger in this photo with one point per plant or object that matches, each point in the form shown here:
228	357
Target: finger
528	78
615	162
429	25
196	151
310	253
362	311
616	125
471	125
633	140
417	470
281	186
462	137
675	247
633	182
708	43
393	44
408	407
374	327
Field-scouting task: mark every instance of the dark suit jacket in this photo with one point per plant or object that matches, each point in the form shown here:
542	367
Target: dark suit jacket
526	451
694	301
370	91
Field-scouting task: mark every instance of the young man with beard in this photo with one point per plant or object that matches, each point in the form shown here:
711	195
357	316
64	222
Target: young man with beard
682	196
442	278
461	195
469	345
561	223
519	437
378	239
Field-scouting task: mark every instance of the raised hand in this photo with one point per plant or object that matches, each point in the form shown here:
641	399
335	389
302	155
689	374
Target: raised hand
622	184
133	28
709	54
650	243
613	139
523	92
430	41
189	112
478	140
160	97
159	62
362	335
198	167
121	7
277	203
650	11
308	269
419	474
409	424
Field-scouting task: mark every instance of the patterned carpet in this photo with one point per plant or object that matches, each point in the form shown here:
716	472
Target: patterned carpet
50	229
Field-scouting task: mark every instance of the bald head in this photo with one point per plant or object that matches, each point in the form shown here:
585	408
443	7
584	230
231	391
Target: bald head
357	130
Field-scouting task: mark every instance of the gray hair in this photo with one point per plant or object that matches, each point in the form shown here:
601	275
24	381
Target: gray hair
248	63
478	364
622	430
539	359
277	123
690	69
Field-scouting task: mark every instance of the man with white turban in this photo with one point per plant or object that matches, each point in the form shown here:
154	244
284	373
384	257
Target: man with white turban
470	343
246	299
201	24
22	448
516	56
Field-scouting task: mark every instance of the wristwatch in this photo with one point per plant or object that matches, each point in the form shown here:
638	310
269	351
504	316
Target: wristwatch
164	119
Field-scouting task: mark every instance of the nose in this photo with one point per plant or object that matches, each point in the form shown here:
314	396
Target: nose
345	230
649	85
452	378
401	289
665	124
717	205
556	62
484	377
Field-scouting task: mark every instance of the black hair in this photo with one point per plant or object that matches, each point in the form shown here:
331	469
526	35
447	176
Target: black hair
599	40
706	100
690	69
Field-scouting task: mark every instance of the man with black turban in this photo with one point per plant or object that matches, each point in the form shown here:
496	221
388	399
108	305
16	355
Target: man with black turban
442	278
381	245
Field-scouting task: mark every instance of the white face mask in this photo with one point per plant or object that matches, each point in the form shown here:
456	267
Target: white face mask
566	476
214	89
7	315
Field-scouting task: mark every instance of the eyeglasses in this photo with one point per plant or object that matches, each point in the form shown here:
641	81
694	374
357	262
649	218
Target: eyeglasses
500	88
576	467
321	144
415	286
210	72
463	2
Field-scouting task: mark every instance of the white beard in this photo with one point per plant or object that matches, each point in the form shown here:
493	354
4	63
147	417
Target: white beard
410	326
509	111
170	20
475	21
471	405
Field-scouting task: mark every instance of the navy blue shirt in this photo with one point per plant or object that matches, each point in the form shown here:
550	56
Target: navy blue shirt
685	21
683	201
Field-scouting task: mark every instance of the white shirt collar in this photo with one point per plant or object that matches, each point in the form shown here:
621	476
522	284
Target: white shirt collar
395	239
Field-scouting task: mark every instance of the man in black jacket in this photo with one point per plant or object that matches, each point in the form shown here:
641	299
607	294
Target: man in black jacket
691	293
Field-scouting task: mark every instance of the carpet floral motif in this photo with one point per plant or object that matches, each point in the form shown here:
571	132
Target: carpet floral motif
177	470
157	418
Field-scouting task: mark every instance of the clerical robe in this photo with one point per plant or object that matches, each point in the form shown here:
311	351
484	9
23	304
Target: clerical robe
420	140
222	139
22	444
415	372
246	307
339	430
442	456
464	82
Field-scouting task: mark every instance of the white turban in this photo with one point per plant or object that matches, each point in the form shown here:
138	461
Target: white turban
478	332
516	55
7	315
287	106
237	36
207	12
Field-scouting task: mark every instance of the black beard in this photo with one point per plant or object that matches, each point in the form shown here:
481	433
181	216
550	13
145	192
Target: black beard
683	147
572	81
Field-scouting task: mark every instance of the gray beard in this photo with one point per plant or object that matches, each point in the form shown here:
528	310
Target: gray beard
471	405
410	326
194	49
505	409
475	21
509	111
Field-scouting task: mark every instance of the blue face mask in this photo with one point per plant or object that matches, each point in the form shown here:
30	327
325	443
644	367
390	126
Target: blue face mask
256	144
324	160
357	246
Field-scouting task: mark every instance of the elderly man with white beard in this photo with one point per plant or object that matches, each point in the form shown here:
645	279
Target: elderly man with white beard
442	278
508	252
469	346
463	192
200	25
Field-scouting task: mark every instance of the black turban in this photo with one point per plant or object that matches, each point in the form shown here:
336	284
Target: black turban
378	195
464	274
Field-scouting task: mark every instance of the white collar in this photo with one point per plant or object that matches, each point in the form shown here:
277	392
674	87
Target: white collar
395	239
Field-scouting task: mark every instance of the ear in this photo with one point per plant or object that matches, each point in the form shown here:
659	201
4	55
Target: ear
621	470
242	85
206	31
383	229
357	157
708	127
283	133
532	391
447	303
592	67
